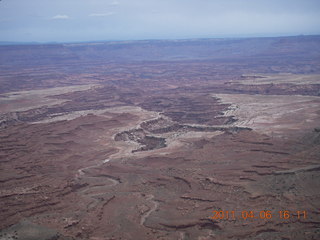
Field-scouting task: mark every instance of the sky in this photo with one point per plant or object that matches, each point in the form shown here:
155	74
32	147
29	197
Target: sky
98	20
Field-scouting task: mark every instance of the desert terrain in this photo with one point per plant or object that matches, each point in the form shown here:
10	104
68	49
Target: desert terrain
188	139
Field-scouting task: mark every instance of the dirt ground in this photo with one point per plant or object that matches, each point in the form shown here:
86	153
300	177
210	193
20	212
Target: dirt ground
146	150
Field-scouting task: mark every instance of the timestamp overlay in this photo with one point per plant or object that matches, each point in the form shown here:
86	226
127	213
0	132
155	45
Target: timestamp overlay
256	214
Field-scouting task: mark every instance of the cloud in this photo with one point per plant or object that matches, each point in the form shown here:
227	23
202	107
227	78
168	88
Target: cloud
61	17
114	3
101	14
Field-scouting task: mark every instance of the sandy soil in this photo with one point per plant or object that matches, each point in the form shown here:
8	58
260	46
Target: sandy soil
297	79
26	100
273	115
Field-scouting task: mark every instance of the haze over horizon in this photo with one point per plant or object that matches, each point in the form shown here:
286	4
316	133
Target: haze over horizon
100	20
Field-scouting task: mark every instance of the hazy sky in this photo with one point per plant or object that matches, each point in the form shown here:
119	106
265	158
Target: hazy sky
84	20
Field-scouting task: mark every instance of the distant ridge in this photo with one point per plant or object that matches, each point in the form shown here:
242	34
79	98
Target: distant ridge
305	47
3	43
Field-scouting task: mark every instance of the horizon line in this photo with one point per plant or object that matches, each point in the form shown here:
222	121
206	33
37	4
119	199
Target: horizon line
12	43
